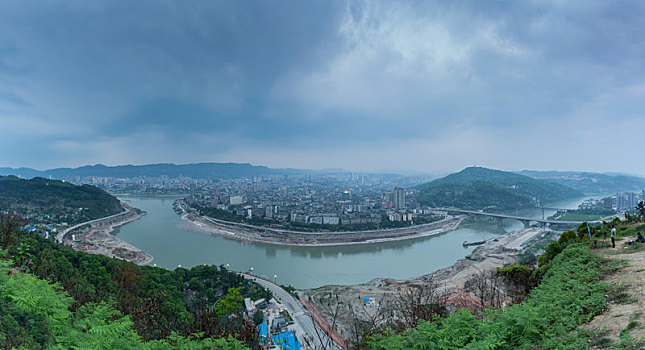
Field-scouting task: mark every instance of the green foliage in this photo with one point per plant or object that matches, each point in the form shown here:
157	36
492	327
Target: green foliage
258	317
56	197
590	183
553	249
519	278
36	315
640	208
568	237
477	188
569	295
157	301
585	214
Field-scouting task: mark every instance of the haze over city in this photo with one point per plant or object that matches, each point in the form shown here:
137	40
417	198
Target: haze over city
366	86
322	175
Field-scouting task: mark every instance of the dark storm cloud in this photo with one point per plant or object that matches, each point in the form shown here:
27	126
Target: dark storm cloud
428	85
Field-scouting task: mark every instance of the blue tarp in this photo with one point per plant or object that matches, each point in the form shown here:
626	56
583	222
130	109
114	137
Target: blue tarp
287	341
262	331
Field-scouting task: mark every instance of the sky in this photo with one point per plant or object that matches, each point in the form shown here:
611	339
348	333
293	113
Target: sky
397	86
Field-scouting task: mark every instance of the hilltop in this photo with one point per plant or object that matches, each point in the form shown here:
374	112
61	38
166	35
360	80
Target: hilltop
590	183
55	197
478	188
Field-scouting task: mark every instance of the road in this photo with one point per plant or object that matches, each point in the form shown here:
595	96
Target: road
298	313
61	235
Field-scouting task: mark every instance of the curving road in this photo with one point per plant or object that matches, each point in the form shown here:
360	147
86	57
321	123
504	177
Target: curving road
298	313
61	235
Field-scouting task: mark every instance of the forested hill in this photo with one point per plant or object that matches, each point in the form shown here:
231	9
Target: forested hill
591	183
45	196
478	188
84	309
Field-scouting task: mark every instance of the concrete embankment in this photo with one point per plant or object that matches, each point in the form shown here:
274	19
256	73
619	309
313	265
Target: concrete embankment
95	238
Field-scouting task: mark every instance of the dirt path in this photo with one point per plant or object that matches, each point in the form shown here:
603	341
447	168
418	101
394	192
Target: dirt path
629	312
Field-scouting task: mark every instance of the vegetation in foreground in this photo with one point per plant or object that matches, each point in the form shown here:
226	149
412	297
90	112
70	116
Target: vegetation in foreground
569	293
36	314
201	303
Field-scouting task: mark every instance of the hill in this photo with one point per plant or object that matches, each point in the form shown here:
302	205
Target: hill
55	197
591	183
478	188
84	309
198	170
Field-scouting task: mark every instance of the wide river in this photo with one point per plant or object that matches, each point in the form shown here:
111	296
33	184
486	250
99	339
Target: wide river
173	242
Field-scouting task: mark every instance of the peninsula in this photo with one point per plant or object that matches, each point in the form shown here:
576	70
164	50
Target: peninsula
250	233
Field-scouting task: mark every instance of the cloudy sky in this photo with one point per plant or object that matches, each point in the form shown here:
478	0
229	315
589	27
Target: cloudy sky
368	86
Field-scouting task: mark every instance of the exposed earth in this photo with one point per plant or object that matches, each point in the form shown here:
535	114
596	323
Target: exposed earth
629	313
96	239
501	251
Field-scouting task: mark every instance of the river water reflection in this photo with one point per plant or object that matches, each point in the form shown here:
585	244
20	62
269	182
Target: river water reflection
172	242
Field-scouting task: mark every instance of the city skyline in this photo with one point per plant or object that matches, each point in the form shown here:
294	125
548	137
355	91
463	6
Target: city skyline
406	87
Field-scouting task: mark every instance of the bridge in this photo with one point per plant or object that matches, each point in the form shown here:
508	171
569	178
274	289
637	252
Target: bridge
524	220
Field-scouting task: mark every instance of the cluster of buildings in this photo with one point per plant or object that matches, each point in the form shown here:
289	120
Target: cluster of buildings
46	224
277	329
142	184
619	202
310	200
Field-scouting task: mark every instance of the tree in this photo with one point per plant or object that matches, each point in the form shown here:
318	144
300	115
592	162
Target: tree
9	225
520	279
258	317
486	287
640	207
334	307
23	258
419	302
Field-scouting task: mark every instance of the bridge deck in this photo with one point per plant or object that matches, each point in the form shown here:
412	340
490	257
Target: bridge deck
519	218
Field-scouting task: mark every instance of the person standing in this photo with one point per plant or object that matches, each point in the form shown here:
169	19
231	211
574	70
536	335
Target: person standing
613	237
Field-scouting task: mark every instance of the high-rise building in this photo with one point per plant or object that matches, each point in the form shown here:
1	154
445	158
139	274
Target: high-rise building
631	199
621	202
608	203
399	198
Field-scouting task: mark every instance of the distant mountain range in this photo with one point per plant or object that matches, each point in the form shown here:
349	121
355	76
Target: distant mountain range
591	183
199	170
479	188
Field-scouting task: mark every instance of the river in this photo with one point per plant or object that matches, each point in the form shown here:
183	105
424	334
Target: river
173	242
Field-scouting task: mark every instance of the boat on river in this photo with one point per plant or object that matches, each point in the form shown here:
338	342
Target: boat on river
467	244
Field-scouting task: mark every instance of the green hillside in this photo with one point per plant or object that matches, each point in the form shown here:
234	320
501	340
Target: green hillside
478	188
591	183
55	197
99	302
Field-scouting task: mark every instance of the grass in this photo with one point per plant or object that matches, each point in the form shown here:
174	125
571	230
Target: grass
580	217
